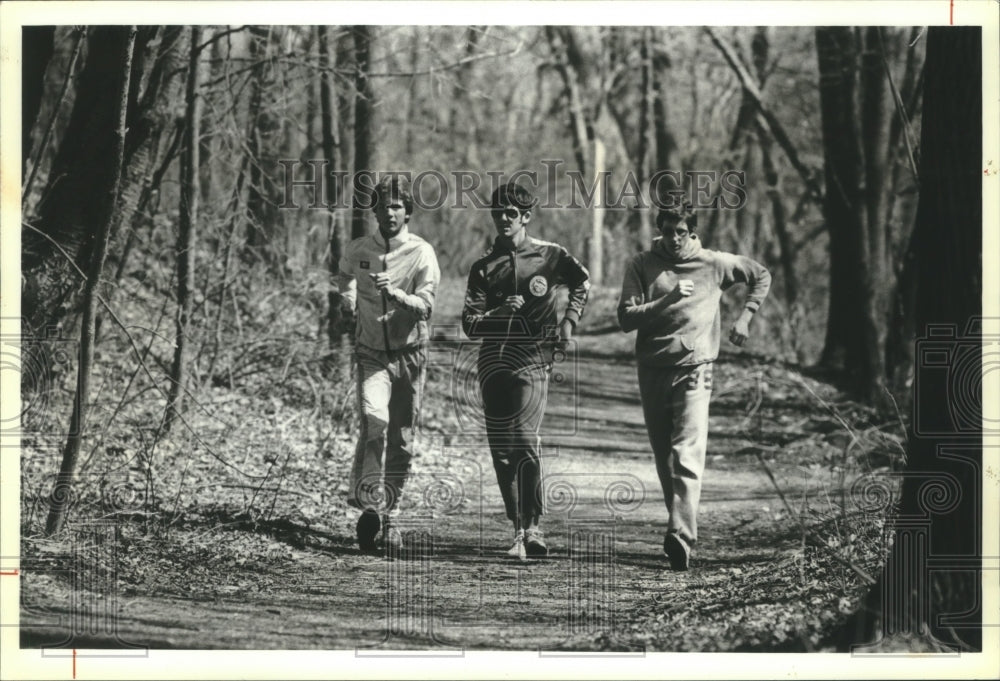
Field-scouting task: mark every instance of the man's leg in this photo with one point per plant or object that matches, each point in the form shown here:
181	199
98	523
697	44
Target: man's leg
529	391
373	390
494	386
655	393
404	405
692	391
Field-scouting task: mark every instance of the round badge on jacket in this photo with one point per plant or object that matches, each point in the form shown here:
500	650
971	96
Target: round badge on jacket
538	286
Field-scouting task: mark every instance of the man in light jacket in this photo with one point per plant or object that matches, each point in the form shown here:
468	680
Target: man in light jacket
390	277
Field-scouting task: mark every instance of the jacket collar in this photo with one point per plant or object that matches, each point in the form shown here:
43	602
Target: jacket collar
691	249
396	241
527	245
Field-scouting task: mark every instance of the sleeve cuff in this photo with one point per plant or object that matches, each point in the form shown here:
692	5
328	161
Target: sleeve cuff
752	306
573	316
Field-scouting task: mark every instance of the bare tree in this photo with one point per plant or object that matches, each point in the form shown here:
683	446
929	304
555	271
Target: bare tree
70	201
944	446
120	42
364	129
571	66
37	46
186	231
330	124
855	141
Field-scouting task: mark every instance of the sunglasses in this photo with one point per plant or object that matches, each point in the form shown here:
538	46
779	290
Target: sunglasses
510	211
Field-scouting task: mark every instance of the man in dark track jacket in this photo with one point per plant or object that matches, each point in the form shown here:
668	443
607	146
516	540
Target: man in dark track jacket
510	304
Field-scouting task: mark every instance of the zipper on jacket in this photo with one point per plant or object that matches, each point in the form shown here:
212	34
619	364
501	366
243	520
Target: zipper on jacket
510	319
385	302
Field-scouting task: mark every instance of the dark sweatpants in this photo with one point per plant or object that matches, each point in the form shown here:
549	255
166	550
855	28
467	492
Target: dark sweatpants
514	386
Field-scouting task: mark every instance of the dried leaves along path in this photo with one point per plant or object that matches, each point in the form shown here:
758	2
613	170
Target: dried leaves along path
605	585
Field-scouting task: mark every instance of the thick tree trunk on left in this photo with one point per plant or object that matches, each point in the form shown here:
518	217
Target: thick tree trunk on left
71	203
120	42
37	45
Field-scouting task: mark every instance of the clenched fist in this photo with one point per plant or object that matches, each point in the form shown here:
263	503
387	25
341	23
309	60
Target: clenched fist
513	303
381	280
741	330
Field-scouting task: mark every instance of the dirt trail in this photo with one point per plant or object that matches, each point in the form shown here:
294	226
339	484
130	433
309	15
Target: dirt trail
605	586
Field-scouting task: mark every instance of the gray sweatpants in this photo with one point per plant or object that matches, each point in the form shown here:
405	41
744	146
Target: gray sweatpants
389	387
675	406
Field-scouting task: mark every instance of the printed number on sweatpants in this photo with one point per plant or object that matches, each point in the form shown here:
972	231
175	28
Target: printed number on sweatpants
705	373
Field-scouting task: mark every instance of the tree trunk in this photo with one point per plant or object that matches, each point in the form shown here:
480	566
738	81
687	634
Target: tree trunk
855	144
578	122
187	224
586	145
645	132
837	53
260	209
595	255
465	135
666	143
364	128
902	325
119	42
37	46
71	201
330	124
779	214
875	267
930	586
78	34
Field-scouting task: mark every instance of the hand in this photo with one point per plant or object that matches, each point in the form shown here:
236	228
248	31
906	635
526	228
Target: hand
741	330
381	280
685	287
566	329
513	303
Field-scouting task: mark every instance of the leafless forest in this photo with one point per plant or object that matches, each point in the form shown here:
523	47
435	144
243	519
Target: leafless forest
187	191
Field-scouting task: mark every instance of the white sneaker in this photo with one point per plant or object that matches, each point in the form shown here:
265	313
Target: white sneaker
517	550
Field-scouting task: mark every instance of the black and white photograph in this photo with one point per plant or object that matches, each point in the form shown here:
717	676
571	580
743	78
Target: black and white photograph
376	338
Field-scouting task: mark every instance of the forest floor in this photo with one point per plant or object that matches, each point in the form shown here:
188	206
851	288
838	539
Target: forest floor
233	531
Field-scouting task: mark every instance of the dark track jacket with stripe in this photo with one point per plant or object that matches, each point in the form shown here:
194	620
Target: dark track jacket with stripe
534	270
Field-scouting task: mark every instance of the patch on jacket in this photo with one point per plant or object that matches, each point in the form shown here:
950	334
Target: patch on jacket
538	285
365	264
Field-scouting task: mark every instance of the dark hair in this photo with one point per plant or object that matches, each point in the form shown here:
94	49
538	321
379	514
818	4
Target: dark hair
512	194
677	212
393	185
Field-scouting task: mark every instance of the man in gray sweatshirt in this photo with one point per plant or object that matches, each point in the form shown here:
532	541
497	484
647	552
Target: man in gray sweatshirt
671	296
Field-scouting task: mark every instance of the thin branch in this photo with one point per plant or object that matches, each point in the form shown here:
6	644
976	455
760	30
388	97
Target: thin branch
900	109
770	122
216	37
135	349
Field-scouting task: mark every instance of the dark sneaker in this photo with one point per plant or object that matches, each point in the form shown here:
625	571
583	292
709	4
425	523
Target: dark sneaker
534	543
368	527
677	550
517	550
392	540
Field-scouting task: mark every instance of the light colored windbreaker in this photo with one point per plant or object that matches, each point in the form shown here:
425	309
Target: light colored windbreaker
390	322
